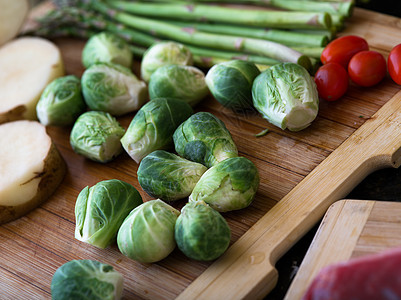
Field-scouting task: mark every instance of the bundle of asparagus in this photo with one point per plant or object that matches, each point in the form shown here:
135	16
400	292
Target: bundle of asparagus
263	31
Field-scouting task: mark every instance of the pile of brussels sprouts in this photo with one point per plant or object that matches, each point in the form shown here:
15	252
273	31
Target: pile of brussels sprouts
181	154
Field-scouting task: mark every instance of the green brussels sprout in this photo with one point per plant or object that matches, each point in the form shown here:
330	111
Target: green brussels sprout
153	126
286	96
201	232
101	209
61	102
228	185
96	135
86	279
168	176
147	234
106	47
113	88
186	83
230	83
203	138
164	53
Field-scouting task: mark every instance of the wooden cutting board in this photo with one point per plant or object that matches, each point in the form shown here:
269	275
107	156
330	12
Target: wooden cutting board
302	174
350	228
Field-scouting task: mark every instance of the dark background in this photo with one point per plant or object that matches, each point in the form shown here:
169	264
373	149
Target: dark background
383	185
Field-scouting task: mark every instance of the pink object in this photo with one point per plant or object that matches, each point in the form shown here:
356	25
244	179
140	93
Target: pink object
371	277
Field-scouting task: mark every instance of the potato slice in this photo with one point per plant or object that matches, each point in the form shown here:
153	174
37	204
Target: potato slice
12	16
27	66
31	168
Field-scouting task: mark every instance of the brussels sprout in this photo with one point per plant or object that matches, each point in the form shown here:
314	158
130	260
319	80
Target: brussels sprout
86	279
231	83
164	53
61	102
101	209
201	232
96	135
153	126
106	47
147	234
286	96
186	83
203	138
229	185
167	176
113	88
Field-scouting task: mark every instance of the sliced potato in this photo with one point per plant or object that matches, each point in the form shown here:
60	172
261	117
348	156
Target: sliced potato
27	66
12	16
31	168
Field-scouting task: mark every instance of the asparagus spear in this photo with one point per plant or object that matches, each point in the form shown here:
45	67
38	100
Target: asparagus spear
340	8
230	15
285	37
208	40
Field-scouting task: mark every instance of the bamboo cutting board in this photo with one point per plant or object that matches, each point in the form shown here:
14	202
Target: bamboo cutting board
302	174
350	228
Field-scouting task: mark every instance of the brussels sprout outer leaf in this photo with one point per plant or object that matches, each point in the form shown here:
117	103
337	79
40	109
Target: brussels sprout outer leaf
228	185
61	102
186	83
286	96
153	126
164	53
96	135
106	47
203	138
201	232
231	83
101	209
112	88
147	234
167	176
86	279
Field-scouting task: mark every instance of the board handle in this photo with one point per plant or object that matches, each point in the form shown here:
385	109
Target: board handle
246	270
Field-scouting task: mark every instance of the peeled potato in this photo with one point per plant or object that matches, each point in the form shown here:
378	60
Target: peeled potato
31	168
27	66
12	16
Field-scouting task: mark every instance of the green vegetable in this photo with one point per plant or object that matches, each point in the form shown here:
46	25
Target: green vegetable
203	138
186	83
153	126
147	234
106	47
218	41
96	135
231	83
228	185
286	96
61	102
112	88
167	176
86	279
233	15
201	232
164	53
101	209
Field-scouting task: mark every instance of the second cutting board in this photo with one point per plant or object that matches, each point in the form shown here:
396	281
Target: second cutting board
350	228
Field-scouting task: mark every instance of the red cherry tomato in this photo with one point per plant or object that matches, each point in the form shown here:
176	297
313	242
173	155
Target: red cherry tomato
342	49
367	68
331	81
394	64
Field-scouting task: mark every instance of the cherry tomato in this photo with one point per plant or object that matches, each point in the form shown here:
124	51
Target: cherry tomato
331	81
394	64
342	49
367	68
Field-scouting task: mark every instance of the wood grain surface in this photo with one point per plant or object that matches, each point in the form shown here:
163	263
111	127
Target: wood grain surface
349	229
34	246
